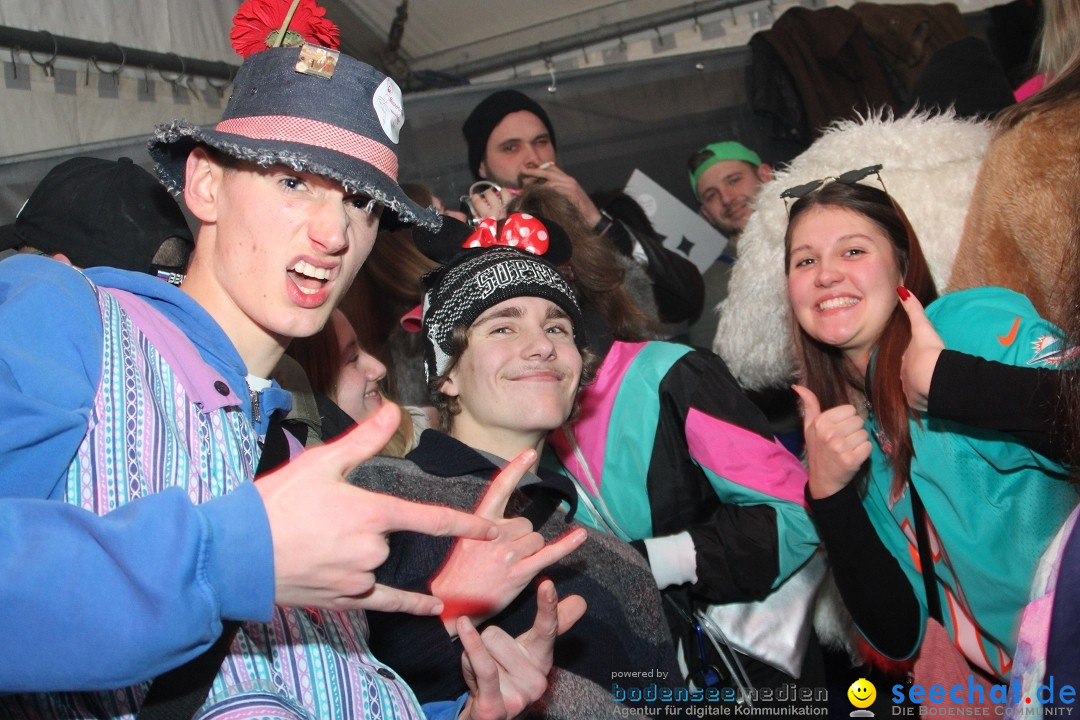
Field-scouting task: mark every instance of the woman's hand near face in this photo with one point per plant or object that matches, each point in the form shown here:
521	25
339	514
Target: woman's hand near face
479	579
920	358
837	444
491	203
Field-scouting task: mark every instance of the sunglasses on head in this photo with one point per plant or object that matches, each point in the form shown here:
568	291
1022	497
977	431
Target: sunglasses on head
848	178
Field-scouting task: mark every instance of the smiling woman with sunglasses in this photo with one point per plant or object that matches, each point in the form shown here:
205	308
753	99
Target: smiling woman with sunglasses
893	491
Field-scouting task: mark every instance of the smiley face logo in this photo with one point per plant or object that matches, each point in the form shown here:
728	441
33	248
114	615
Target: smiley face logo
862	693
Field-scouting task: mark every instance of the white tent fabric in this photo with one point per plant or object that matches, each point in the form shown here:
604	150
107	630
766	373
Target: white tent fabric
76	107
185	27
643	111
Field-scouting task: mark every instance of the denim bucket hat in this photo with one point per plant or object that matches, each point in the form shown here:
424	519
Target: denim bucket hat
341	123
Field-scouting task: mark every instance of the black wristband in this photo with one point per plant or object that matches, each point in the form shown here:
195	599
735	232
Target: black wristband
603	223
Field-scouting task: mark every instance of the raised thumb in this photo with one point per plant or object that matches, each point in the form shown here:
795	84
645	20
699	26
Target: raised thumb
921	327
811	408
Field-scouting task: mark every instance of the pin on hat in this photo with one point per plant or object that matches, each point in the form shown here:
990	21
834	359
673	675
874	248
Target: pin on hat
307	107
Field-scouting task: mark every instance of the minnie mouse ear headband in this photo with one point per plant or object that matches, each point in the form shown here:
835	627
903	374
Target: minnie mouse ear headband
531	233
481	271
309	108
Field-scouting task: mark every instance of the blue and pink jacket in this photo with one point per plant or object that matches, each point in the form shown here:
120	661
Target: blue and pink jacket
129	523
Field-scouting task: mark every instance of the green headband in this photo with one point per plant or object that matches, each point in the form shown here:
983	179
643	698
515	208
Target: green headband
719	152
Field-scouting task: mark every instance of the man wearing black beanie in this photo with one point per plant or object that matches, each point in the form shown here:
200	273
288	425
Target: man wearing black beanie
511	143
489	115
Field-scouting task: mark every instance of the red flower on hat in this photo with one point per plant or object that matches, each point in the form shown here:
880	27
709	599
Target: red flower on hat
520	230
258	22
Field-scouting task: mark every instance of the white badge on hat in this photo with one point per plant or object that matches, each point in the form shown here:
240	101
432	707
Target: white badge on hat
390	108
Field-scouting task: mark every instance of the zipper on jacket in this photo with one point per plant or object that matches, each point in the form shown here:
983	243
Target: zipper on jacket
602	515
256	413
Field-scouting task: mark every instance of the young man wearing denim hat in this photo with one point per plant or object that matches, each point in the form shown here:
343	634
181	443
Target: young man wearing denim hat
134	417
725	177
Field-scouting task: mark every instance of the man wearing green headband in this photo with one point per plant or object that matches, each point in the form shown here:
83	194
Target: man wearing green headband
725	177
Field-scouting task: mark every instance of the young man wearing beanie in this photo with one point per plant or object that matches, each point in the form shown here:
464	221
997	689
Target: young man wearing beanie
505	354
137	415
511	143
725	177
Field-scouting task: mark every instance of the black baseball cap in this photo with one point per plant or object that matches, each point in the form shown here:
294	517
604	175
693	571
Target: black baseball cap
98	213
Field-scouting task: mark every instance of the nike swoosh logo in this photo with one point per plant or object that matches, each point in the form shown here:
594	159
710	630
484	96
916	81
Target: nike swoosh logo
1008	340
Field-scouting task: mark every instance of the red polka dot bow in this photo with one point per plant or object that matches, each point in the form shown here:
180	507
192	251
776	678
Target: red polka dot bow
519	230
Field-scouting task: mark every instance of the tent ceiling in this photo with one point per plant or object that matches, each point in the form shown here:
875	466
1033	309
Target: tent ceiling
80	105
439	35
474	37
444	36
471	38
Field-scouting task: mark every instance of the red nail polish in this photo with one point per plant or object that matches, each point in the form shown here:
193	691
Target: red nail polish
903	292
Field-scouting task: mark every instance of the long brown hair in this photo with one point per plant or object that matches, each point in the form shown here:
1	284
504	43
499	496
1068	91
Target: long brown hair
598	280
823	368
319	357
386	287
1068	405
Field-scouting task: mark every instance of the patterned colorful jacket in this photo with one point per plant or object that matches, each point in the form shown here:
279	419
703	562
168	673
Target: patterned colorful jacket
163	402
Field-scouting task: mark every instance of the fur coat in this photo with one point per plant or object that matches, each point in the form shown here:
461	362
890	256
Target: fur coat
1023	214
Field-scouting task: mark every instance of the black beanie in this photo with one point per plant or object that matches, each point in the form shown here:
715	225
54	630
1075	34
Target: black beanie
489	113
459	292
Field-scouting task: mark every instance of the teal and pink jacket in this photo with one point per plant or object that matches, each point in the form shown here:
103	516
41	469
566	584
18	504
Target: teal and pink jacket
665	444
